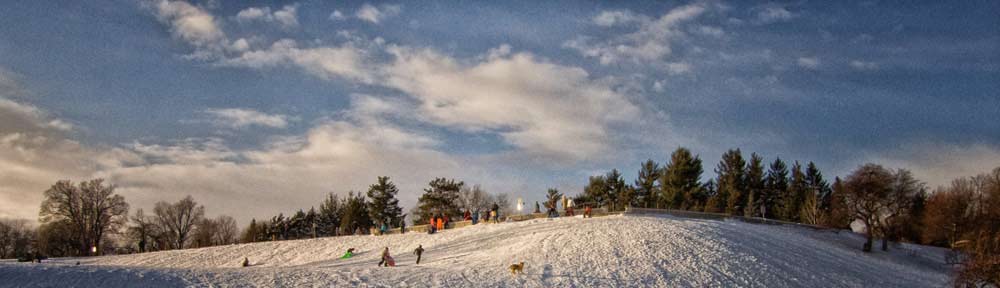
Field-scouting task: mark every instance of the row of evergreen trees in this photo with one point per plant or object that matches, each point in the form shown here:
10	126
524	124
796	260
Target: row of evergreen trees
352	214
742	188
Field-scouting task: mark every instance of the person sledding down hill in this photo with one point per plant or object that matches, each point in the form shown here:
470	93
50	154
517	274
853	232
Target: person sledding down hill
349	254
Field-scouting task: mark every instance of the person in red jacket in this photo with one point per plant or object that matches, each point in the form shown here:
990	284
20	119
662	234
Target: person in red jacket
586	212
467	216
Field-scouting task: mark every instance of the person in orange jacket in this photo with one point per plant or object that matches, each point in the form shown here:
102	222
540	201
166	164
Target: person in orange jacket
430	226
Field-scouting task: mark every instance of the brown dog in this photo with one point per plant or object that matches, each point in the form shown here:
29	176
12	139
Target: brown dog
516	268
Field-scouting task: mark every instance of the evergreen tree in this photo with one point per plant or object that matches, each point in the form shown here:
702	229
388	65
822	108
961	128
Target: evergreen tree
297	225
714	203
312	223
383	207
441	197
776	183
680	187
755	185
329	216
617	190
838	216
731	184
795	195
595	192
250	234
355	218
646	186
817	198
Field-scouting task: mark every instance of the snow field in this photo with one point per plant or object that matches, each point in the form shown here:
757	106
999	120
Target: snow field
614	251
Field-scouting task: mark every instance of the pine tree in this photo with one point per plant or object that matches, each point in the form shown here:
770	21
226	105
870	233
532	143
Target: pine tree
617	190
312	224
441	197
795	195
680	187
838	216
250	234
755	185
355	218
817	198
329	216
731	184
646	184
383	206
776	183
714	203
297	225
595	192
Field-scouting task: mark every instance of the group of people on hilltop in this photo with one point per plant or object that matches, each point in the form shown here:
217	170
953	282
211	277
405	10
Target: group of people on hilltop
440	222
437	222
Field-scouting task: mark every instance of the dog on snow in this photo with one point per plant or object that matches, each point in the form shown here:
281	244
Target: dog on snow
516	268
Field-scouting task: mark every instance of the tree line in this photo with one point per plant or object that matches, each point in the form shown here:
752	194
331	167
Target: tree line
891	204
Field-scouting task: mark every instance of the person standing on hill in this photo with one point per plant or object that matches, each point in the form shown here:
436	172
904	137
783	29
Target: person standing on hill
419	251
496	213
385	256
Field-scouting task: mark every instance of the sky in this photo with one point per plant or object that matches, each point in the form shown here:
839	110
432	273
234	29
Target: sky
256	108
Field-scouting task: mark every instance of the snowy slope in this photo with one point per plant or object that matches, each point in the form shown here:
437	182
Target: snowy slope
567	252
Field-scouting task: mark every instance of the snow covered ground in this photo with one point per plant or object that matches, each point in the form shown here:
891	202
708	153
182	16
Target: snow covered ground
614	251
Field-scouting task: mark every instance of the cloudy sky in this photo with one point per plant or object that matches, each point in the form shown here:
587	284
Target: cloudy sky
256	108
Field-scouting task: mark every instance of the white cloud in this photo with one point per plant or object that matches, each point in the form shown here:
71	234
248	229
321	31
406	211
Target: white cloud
863	65
774	14
808	62
542	108
346	61
709	31
678	68
193	25
287	17
237	118
939	164
615	17
35	152
337	15
373	14
651	42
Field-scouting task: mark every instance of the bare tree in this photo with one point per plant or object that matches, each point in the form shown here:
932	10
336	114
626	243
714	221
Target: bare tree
179	219
474	198
15	237
92	207
226	230
143	230
868	187
903	190
204	233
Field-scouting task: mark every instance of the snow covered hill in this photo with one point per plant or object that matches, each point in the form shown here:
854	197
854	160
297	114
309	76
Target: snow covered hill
612	251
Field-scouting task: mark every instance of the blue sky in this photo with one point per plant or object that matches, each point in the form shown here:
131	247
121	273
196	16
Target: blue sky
272	104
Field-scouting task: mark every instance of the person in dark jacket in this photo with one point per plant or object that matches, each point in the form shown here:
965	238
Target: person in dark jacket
419	251
496	213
